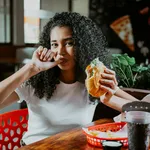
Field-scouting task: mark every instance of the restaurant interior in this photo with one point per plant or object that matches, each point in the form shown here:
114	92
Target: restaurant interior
125	23
22	22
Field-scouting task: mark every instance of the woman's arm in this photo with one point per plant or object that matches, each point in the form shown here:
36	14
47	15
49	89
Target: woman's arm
114	97
8	86
125	95
114	102
146	98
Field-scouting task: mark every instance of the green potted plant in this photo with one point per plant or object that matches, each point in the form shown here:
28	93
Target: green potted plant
131	76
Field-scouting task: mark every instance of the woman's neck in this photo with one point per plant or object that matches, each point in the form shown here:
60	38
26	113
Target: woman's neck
67	76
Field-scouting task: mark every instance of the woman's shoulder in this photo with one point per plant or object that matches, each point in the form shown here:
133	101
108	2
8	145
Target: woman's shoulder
25	89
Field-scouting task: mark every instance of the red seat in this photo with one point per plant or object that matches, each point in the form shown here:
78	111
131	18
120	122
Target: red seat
12	126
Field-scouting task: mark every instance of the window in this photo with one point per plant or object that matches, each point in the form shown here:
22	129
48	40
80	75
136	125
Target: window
5	21
31	21
37	13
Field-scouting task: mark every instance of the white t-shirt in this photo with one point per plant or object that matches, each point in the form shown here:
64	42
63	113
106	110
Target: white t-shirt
69	107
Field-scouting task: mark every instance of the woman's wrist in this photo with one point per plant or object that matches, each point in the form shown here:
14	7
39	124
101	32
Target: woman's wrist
116	90
104	99
32	68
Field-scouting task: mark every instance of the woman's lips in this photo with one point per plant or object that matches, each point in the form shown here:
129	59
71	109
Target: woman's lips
63	60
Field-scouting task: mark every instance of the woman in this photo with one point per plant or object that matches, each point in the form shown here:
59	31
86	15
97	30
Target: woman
54	89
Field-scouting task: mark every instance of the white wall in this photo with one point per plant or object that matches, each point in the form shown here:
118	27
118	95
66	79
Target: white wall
53	6
81	6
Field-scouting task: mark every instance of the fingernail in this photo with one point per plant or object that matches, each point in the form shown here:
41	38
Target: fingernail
40	47
60	56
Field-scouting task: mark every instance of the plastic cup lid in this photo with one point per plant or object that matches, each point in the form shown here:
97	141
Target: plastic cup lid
112	143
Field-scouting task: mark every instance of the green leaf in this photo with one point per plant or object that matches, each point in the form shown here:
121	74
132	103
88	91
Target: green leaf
121	64
116	55
123	60
130	60
139	69
129	76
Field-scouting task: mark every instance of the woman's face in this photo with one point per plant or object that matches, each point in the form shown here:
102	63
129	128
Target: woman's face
63	45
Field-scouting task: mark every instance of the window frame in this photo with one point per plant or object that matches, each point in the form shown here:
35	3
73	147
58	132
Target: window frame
33	44
69	9
11	24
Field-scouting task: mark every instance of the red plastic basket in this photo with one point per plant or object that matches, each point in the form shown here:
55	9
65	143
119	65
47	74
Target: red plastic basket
114	127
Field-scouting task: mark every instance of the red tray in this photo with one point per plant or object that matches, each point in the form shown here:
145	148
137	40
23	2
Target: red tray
114	127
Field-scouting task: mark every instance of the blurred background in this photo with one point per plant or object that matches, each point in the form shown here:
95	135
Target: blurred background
21	22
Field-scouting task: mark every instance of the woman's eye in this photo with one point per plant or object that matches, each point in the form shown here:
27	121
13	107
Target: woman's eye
70	44
54	45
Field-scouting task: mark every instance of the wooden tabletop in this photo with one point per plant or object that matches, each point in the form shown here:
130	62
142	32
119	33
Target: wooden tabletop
69	140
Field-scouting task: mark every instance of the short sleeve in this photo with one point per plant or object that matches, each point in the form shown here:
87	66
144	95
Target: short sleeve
24	92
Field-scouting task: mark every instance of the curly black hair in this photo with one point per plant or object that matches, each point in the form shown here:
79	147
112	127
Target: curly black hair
90	43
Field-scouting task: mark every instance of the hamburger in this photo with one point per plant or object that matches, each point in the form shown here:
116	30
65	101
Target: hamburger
93	72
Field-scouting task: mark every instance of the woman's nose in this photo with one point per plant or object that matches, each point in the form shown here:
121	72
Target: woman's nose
61	50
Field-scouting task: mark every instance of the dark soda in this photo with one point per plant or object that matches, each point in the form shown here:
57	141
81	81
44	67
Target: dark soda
138	138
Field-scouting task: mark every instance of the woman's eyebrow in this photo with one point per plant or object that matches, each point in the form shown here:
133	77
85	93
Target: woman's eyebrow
65	39
54	41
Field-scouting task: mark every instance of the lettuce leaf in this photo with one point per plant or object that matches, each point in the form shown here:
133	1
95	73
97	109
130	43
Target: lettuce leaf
128	72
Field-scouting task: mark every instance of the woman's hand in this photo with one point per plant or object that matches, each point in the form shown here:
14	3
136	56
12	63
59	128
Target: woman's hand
109	84
42	58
